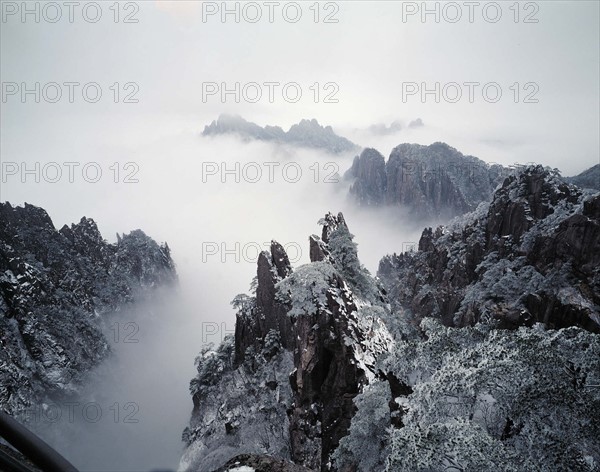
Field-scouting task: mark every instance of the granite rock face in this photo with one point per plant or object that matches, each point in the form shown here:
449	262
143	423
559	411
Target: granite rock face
306	133
268	313
530	255
305	344
55	289
430	182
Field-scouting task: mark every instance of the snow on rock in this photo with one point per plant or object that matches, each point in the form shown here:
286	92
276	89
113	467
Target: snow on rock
305	345
55	288
531	255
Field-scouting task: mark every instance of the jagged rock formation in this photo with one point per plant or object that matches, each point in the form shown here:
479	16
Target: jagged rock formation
307	133
433	181
304	347
55	288
530	255
589	178
333	372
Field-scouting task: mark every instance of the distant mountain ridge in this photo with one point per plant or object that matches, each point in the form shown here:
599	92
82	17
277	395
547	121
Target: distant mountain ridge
307	133
589	178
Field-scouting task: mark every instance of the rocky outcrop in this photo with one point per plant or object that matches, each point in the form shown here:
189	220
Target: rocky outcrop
267	312
430	182
323	338
531	255
55	289
306	133
326	378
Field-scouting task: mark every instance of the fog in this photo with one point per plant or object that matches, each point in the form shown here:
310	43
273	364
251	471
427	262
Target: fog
215	223
158	172
217	201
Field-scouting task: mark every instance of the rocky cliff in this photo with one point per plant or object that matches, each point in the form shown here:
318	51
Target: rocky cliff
430	182
530	255
56	288
305	345
306	133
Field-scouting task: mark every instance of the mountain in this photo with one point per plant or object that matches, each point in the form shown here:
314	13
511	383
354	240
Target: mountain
430	182
589	178
307	133
57	288
480	351
531	255
304	345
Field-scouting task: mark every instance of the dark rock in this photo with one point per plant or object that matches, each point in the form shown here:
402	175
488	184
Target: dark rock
318	249
398	389
430	182
333	349
536	226
331	223
327	379
56	288
369	171
268	313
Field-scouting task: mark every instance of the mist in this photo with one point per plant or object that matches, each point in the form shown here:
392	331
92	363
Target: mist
215	223
215	201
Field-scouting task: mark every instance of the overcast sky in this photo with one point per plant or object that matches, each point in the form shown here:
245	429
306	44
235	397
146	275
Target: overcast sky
369	62
372	50
369	66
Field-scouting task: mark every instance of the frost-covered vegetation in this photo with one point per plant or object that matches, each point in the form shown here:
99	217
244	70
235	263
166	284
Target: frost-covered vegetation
484	400
238	409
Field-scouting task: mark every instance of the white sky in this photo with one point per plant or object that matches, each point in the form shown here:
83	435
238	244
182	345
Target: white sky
369	53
